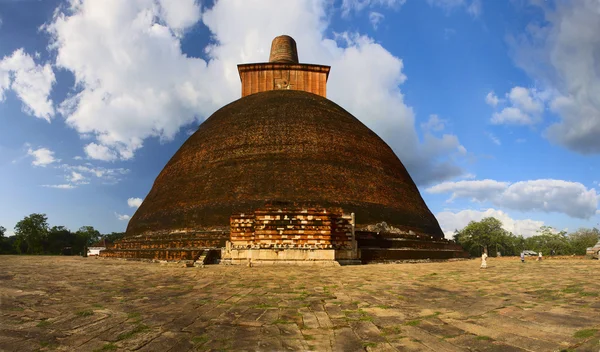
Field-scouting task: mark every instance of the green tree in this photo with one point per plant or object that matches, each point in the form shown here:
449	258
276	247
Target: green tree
549	240
59	237
31	234
114	236
582	239
479	235
85	236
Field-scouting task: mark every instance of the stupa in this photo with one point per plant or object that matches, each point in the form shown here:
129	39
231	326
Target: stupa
284	175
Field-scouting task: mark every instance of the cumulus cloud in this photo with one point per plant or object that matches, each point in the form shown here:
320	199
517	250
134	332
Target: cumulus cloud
42	156
562	53
133	81
122	217
76	178
134	202
31	82
526	107
433	124
491	99
101	152
451	221
547	195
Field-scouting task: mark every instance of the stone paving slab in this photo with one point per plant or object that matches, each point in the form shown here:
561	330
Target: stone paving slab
89	304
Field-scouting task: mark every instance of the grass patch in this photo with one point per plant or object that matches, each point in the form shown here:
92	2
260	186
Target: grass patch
383	306
44	323
84	313
138	329
584	334
107	347
572	289
282	321
483	338
369	344
134	315
588	294
97	305
199	340
309	337
263	306
412	323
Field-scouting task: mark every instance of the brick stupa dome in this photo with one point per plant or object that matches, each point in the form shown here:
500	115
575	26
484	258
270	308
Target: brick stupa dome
282	146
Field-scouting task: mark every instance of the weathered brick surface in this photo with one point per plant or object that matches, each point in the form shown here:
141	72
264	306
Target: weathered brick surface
166	246
292	228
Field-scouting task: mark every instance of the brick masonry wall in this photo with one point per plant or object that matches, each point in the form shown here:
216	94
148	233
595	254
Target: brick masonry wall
292	228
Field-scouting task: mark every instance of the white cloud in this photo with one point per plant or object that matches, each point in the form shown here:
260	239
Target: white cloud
76	177
493	138
42	156
451	221
375	18
480	190
134	202
547	195
122	217
107	175
349	6
433	124
32	83
562	54
526	107
61	186
118	49
473	8
491	99
100	152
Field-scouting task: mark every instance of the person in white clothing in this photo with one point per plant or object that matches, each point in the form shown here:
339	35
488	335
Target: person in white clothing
483	261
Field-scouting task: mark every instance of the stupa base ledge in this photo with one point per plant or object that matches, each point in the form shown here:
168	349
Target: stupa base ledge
289	256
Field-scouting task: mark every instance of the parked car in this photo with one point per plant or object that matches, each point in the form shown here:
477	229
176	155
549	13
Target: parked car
530	253
594	252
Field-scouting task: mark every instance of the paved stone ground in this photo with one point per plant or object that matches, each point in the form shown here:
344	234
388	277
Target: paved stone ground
88	304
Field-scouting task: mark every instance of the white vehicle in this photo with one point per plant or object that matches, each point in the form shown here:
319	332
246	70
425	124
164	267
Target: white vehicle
594	252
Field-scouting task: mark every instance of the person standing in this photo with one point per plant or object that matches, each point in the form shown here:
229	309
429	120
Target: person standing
483	261
522	257
539	257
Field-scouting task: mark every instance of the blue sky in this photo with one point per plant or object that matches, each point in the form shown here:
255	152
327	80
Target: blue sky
493	106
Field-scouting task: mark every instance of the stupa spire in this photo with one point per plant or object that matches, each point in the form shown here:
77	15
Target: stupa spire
283	49
283	71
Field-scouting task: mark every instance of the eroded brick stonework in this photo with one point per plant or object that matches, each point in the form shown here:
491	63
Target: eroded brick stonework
174	246
292	228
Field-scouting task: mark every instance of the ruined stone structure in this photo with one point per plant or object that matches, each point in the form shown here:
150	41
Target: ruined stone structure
283	143
292	235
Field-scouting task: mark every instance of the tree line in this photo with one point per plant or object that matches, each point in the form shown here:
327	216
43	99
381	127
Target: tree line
488	233
33	235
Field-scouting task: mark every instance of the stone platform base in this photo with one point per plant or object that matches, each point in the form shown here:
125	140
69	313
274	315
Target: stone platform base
288	256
